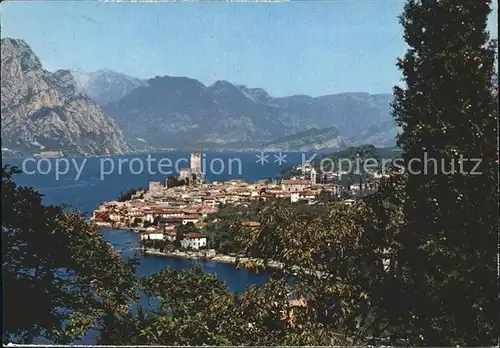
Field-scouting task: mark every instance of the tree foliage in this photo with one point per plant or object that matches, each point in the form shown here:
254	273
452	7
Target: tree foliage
447	272
59	275
173	181
414	263
127	195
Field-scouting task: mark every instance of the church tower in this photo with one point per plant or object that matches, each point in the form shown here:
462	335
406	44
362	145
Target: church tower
313	176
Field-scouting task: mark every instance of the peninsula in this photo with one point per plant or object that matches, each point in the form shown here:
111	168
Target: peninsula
186	216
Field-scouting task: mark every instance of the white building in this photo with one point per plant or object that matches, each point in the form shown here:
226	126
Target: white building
355	187
302	196
308	196
153	235
156	235
194	241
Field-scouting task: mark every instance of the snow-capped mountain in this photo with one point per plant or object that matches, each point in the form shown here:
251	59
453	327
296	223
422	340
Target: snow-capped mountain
105	86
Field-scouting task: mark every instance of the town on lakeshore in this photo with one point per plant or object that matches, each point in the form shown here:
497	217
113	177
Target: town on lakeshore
161	211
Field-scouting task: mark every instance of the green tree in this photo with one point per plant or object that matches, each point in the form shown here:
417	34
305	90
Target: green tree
59	275
148	223
181	231
173	181
325	196
193	309
147	243
127	195
136	222
187	228
446	264
319	256
158	244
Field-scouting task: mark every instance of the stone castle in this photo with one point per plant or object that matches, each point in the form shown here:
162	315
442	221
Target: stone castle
194	174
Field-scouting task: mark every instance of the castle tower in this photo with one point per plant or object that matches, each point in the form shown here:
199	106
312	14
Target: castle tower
196	163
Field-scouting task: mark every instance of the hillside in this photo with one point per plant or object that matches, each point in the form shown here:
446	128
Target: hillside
179	112
105	86
341	159
309	140
42	111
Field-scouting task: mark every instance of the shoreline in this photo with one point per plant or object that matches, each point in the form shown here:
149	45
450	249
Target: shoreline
199	256
118	228
151	152
218	258
192	255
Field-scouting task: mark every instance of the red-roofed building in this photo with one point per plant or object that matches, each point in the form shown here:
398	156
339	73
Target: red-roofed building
190	218
152	213
171	220
250	224
266	196
294	185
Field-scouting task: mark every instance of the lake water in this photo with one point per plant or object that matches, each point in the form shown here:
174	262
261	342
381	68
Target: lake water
236	280
98	183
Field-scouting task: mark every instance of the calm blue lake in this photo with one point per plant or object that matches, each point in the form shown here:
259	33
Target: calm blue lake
86	182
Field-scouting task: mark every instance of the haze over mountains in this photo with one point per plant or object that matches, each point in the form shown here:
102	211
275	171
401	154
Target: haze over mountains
43	110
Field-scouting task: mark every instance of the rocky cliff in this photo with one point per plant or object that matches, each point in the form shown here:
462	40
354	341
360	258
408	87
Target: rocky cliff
179	112
42	111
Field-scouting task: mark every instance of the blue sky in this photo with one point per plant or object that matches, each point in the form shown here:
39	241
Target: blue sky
289	48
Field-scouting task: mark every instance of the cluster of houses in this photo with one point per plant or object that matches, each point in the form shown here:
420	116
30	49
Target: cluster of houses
308	172
237	192
158	211
155	221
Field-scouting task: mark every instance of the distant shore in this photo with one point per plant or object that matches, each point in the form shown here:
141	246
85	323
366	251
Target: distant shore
10	155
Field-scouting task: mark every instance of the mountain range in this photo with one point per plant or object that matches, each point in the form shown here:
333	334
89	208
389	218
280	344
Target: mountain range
173	112
179	112
105	86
